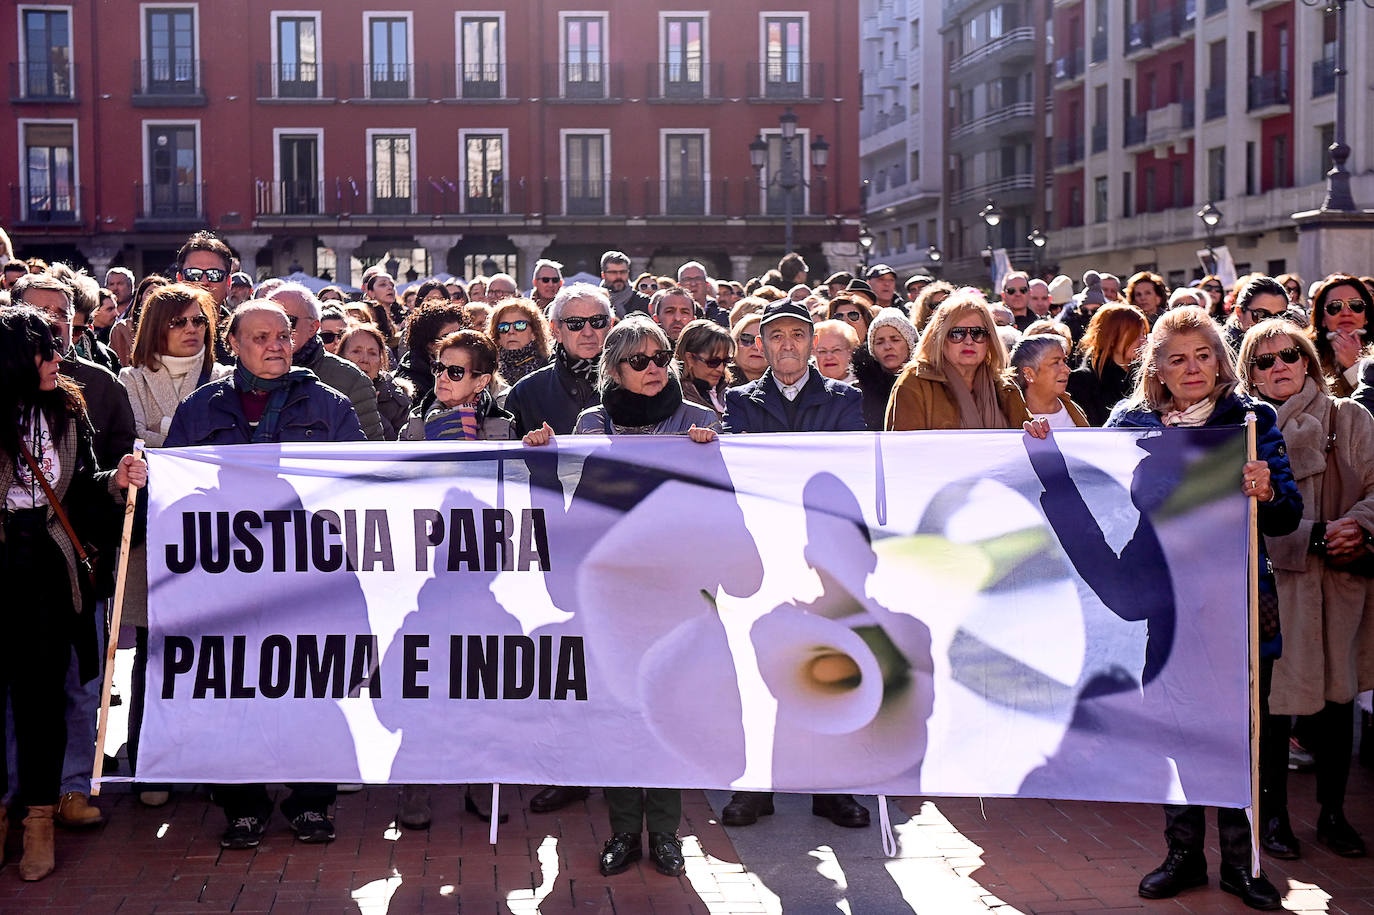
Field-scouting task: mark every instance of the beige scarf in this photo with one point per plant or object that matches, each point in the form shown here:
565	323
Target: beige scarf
978	408
1195	415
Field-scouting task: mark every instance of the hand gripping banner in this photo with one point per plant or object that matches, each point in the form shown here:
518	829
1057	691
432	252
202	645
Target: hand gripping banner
971	613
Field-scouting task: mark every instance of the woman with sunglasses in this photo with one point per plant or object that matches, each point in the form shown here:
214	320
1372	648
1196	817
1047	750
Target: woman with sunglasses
364	346
425	327
522	335
704	350
461	406
852	310
646	284
750	362
1216	291
957	378
1340	318
46	449
931	298
1293	287
1325	602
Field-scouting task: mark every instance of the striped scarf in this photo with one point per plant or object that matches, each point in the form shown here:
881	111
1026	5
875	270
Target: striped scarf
454	424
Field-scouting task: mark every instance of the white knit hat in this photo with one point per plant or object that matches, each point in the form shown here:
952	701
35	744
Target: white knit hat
1061	290
898	319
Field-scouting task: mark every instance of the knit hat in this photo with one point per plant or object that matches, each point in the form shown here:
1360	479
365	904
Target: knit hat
893	317
1061	290
1092	293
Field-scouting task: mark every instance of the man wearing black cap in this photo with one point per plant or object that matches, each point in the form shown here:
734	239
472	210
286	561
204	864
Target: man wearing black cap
240	291
861	288
915	284
883	279
792	396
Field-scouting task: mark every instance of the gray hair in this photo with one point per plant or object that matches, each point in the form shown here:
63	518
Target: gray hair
503	276
542	263
122	271
41	281
624	340
302	293
1033	283
268	286
85	290
578	291
614	257
1029	351
252	307
698	264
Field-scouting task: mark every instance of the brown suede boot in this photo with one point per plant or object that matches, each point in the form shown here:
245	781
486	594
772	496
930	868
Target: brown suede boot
37	862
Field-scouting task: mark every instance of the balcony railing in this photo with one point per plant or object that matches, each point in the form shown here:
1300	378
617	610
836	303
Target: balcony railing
1133	130
993	118
296	81
785	81
1023	182
1323	77
59	206
1100	44
1070	66
1166	123
526	199
1099	138
167	83
42	81
685	81
1267	90
170	206
1006	42
1215	6
1214	102
1068	150
389	81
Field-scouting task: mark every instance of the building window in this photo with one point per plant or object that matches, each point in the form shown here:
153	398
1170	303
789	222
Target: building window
684	174
482	57
170	67
1126	199
1075	206
1283	176
173	172
49	172
388	60
393	187
776	199
1216	173
684	57
1151	198
298	57
1176	183
46	71
298	170
484	173
584	60
1249	167
1100	199
585	169
784	57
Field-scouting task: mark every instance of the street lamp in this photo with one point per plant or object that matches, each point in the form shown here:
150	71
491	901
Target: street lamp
1338	196
1211	217
789	176
1038	242
865	246
992	217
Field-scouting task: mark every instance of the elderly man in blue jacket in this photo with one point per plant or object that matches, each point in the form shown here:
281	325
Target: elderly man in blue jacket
792	395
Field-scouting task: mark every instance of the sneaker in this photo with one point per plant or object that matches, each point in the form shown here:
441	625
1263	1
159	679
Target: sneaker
312	826
244	832
1299	759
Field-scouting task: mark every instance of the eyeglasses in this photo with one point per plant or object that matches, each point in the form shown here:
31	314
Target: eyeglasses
1212	288
180	321
976	334
647	287
454	372
505	326
853	317
1259	314
203	274
639	361
1016	290
748	339
329	336
832	351
1265	361
713	362
1293	290
1334	307
548	279
599	322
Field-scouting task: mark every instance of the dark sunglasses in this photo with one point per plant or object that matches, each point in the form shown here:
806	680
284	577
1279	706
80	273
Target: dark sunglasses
1259	314
853	317
179	321
599	322
639	361
1212	288
1293	289
1356	306
1265	361
1016	290
713	362
329	336
747	339
206	274
505	326
549	279
648	287
454	372
976	334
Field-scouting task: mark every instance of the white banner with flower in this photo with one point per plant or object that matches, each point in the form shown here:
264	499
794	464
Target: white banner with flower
906	613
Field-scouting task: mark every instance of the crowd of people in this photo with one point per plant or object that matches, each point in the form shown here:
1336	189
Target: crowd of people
209	356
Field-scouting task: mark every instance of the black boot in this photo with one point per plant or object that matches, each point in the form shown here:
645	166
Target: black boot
840	809
1181	870
556	798
746	807
1338	835
1256	892
1277	839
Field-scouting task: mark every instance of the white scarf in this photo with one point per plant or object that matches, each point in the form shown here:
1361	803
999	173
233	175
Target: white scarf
165	388
1196	415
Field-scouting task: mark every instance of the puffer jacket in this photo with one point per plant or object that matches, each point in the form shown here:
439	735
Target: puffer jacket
313	412
349	380
394	399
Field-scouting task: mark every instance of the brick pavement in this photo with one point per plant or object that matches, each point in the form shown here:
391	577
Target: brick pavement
957	855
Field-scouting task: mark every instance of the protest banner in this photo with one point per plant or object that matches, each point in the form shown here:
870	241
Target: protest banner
970	613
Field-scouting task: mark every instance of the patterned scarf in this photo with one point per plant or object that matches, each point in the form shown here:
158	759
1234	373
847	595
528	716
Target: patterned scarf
1196	415
278	390
586	369
517	363
460	423
310	352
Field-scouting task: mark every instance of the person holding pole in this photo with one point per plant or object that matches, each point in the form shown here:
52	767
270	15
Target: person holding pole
1326	594
1186	380
47	466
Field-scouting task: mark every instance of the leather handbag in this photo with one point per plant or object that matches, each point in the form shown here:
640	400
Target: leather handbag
85	553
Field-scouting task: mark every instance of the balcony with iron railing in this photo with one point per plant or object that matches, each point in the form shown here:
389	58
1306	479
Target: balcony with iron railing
785	81
297	82
686	81
161	84
171	207
1267	90
995	188
1068	151
1323	77
1016	116
1014	43
43	81
49	206
390	82
1133	131
1213	7
1214	102
1099	138
1069	67
880	121
1100	47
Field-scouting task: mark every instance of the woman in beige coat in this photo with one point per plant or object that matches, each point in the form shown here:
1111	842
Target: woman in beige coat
1326	607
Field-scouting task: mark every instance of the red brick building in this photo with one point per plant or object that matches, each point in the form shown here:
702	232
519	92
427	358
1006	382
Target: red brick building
438	136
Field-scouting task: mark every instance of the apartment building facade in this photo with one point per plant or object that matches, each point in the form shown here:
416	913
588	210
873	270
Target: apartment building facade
335	137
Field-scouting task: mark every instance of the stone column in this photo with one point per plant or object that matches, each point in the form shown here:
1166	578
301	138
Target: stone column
530	248
437	248
100	257
839	255
343	247
739	267
247	247
1334	242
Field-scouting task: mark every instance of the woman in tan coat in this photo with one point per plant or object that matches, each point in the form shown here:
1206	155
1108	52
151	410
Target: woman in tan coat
1326	608
957	378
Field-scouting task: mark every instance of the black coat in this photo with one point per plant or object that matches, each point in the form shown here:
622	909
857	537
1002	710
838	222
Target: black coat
875	384
1097	394
553	395
823	405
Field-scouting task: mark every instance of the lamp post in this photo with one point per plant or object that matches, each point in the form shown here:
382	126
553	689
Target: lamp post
1038	242
865	248
1211	217
992	217
789	176
1338	197
935	256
